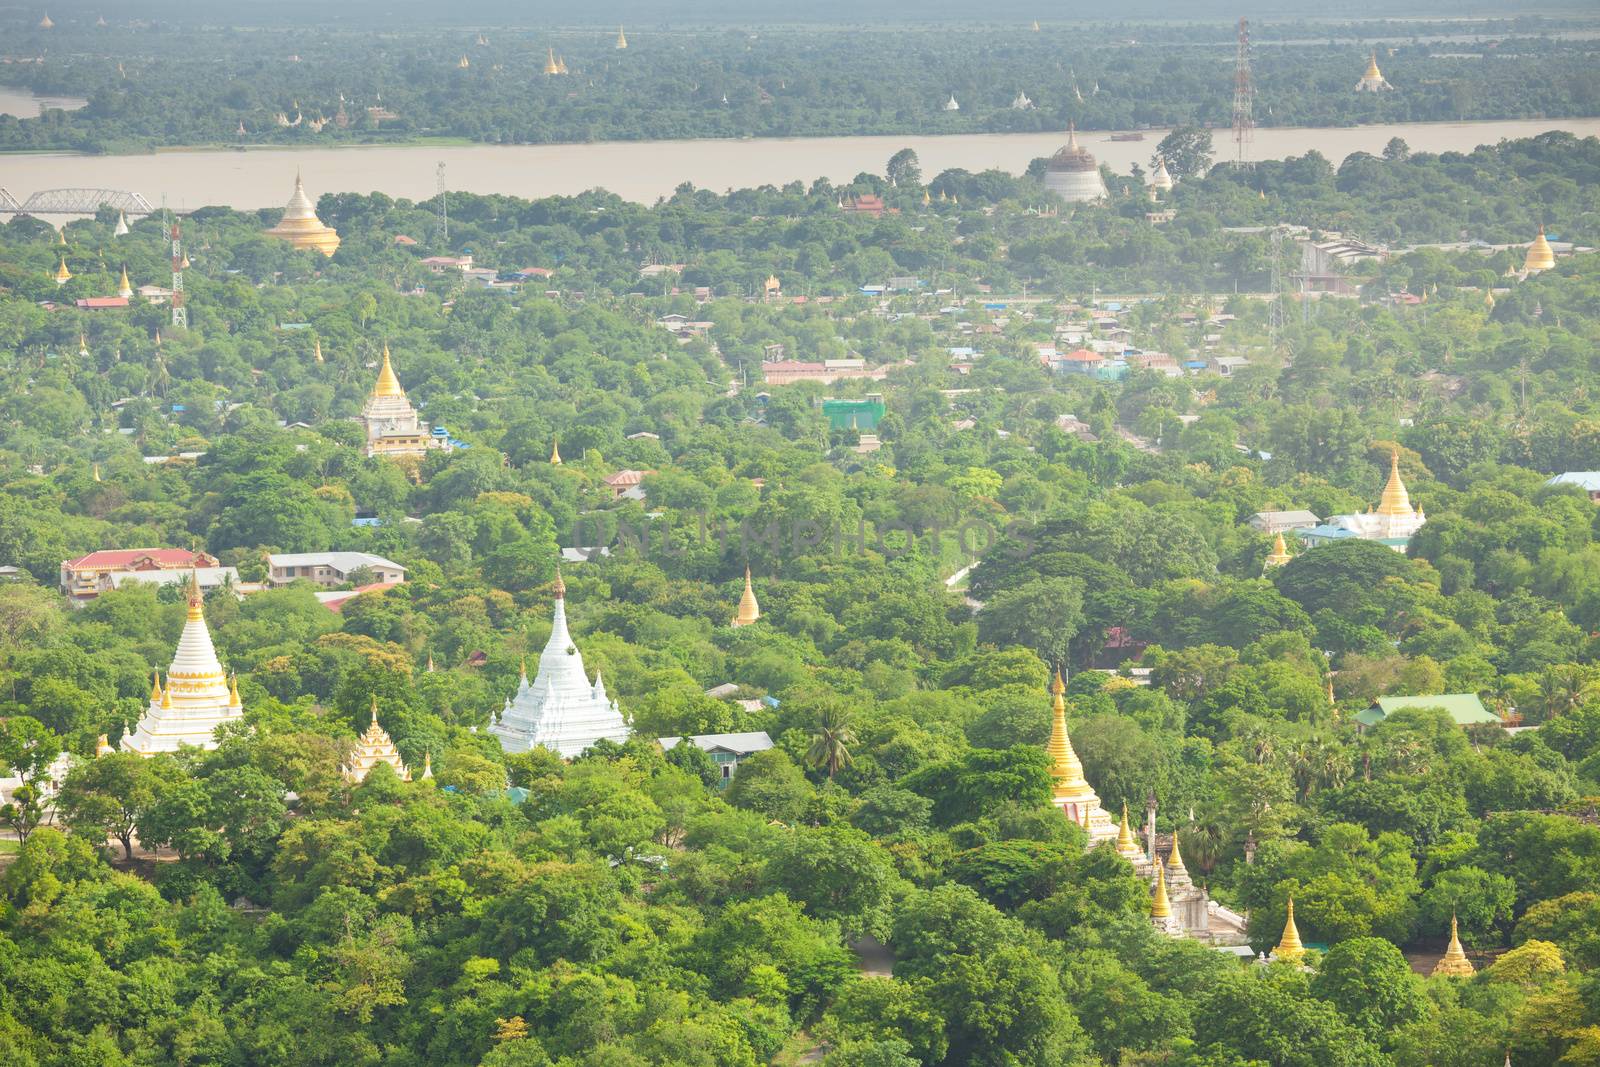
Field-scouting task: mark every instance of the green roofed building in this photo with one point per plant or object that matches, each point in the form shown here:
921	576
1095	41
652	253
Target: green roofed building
1465	708
860	415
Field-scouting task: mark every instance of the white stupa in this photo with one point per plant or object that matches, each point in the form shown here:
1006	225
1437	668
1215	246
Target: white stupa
1373	80
951	105
198	697
1161	180
559	709
1073	173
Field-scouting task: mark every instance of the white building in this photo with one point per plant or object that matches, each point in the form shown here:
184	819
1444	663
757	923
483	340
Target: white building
330	568
1073	173
197	699
560	709
1395	520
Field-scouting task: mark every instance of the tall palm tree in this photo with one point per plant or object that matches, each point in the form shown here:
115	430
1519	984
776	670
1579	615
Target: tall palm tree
831	738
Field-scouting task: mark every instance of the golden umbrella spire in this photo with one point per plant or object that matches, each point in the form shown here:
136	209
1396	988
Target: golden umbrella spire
1454	962
197	602
1125	838
155	687
555	453
622	40
1289	946
124	287
63	275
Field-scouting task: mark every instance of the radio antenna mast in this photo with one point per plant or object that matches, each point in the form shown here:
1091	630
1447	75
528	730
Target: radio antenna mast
1244	122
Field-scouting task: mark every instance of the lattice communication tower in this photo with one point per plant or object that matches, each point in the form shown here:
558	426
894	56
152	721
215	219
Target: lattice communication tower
1244	122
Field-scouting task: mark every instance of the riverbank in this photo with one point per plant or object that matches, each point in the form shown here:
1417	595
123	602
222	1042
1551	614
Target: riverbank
644	171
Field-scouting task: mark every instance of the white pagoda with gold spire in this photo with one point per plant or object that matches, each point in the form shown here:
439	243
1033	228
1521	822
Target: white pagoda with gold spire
198	696
393	428
1373	81
1540	255
560	709
374	747
1073	173
1395	520
1071	792
300	225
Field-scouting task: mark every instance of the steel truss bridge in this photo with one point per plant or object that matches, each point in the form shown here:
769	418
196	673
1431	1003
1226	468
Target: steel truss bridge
75	202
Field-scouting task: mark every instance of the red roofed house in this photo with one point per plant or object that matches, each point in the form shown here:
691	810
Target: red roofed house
335	599
865	204
440	264
80	578
789	371
622	481
403	240
1078	361
102	303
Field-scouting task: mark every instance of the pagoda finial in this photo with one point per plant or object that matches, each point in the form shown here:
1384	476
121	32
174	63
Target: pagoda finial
166	695
1289	946
374	709
233	690
555	452
560	587
427	765
523	670
1160	907
316	350
196	598
430	662
155	687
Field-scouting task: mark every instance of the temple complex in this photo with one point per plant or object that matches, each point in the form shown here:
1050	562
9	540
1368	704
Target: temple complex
1540	255
749	611
1393	523
1372	81
374	747
1071	792
301	227
393	428
1073	173
559	709
198	696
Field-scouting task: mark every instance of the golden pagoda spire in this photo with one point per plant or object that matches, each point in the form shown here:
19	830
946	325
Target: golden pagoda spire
430	662
61	236
196	599
102	746
96	472
555	452
1065	769
1454	962
1127	844
550	62
1289	946
1280	552
1488	299
926	199
463	63
63	275
427	765
1373	73
1160	907
316	350
560	587
233	691
1540	255
387	384
523	670
749	610
124	287
155	687
1175	858
166	695
1395	500
374	709
622	40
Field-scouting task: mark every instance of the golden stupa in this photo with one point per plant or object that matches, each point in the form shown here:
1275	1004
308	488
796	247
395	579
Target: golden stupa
1280	552
749	610
124	287
1160	907
1289	946
1454	962
555	453
622	40
1071	792
550	66
387	384
47	23
1128	845
1395	499
63	275
300	225
1540	255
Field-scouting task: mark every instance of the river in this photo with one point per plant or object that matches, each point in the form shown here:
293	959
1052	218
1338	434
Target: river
23	104
646	170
